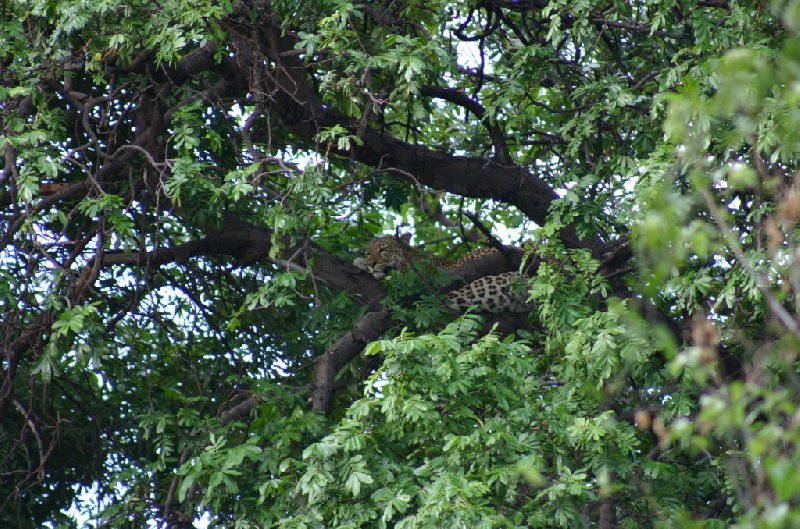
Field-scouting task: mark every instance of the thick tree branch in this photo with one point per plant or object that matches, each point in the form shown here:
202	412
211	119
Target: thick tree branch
369	328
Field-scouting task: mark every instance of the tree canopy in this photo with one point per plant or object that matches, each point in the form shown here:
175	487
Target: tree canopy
185	342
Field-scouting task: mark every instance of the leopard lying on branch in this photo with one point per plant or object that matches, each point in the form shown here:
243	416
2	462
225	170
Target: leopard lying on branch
495	293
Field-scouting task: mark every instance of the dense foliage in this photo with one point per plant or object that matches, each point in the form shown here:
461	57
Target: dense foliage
184	340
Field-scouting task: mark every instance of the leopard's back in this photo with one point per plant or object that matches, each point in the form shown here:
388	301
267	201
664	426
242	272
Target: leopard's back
449	265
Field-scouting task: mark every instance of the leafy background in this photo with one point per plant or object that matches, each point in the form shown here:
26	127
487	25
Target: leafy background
185	182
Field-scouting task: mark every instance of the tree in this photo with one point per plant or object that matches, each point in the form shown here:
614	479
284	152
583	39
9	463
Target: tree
186	183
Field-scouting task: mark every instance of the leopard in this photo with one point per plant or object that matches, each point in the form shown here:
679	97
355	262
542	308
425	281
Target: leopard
393	252
493	294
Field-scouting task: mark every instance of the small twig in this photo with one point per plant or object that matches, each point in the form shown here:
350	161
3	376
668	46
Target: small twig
17	404
486	231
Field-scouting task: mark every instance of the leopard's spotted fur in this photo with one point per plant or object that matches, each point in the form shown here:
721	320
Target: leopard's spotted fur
496	293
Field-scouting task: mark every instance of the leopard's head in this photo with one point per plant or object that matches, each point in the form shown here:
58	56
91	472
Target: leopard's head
388	253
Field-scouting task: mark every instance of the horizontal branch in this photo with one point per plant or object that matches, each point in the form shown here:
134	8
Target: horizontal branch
248	244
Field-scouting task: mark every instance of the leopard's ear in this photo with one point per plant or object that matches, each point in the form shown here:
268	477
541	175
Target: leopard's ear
406	238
